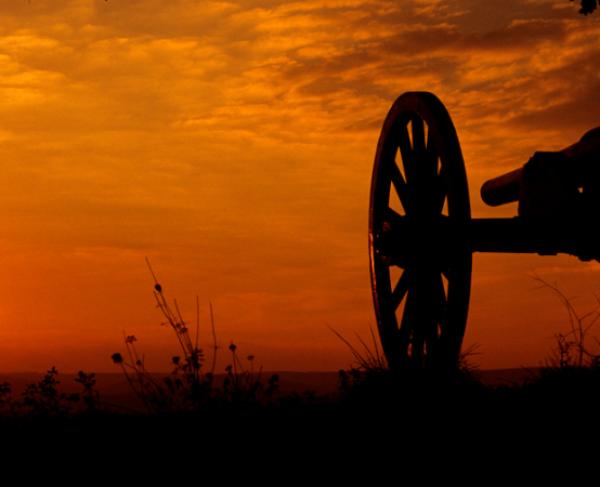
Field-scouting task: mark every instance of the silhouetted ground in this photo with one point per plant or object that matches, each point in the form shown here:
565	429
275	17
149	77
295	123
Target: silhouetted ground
385	420
115	390
373	396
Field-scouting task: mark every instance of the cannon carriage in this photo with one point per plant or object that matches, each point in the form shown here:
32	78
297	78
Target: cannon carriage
422	236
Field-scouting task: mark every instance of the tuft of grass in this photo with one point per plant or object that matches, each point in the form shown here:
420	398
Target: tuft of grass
366	360
573	349
45	399
189	387
370	381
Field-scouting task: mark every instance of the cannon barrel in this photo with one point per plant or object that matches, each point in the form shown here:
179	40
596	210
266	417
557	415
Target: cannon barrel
577	159
502	189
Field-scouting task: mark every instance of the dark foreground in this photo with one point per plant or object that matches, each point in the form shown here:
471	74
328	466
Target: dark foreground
368	412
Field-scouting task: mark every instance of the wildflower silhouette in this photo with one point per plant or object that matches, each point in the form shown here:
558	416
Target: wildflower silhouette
189	387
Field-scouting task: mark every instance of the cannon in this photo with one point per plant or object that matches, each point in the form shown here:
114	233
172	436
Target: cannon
422	236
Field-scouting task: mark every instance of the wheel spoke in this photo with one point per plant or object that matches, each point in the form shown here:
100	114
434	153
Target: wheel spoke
442	320
418	342
433	154
401	187
432	150
400	289
441	291
391	218
440	300
445	269
419	321
440	191
426	336
407	322
426	183
418	135
406	151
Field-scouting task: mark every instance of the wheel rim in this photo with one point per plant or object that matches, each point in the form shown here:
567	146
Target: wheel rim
420	281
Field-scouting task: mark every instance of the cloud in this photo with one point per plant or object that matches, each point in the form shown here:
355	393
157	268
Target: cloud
239	136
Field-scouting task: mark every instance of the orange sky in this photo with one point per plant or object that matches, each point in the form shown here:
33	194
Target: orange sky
232	143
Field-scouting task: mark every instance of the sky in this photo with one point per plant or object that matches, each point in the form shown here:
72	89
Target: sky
232	144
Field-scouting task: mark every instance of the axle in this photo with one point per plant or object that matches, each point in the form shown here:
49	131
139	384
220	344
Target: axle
544	237
404	238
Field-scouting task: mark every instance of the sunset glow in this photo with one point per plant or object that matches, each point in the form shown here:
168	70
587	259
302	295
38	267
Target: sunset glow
232	144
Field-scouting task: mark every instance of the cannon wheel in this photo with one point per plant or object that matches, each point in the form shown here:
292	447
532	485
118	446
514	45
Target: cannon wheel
420	277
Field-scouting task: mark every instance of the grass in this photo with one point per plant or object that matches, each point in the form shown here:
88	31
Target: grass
372	374
44	398
566	386
573	349
194	399
189	387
